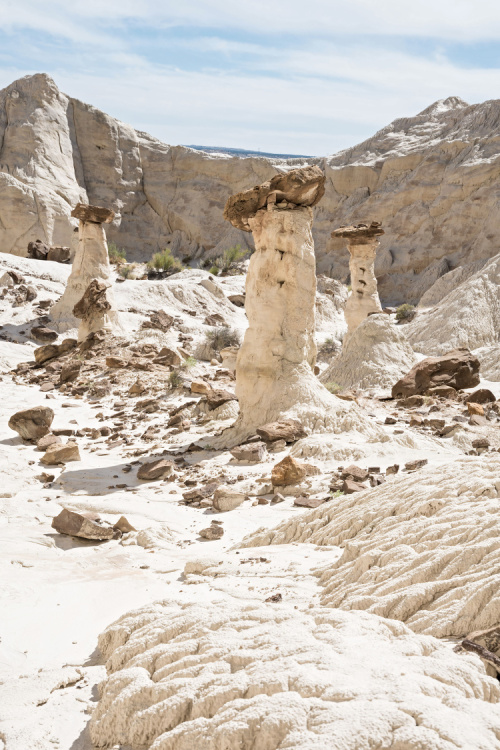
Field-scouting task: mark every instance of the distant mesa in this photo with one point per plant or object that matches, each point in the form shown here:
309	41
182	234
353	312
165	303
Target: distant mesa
246	152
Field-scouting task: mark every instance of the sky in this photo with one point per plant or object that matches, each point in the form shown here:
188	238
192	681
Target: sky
297	77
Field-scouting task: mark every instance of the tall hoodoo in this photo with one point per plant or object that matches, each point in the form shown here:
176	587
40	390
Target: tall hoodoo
91	263
362	243
274	368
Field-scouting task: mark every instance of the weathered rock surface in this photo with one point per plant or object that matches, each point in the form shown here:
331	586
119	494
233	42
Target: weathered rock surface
253	452
269	677
413	553
50	351
227	498
289	430
93	310
32	424
288	471
458	369
373	357
83	525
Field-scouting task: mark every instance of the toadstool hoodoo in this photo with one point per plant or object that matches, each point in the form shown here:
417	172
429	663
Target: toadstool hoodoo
362	242
91	263
275	365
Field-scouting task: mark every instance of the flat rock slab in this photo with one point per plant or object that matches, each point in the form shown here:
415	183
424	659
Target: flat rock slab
286	429
61	454
253	452
95	214
160	469
85	526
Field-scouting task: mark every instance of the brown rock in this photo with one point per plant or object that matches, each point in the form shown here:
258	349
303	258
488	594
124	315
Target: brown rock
70	372
123	525
200	386
160	320
359	475
302	187
61	454
309	502
83	525
350	486
392	469
475	408
212	533
59	254
115	362
288	471
416	420
390	420
458	369
237	299
43	334
47	440
32	424
443	391
481	396
95	214
45	478
169	357
411	401
217	397
436	424
359	231
227	498
136	388
481	443
286	429
200	493
38	250
254	452
417	464
160	469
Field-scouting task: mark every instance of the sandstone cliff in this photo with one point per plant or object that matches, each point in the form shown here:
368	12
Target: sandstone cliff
431	179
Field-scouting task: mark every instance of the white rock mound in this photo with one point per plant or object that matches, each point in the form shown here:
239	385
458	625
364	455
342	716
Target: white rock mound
374	357
468	316
269	677
424	549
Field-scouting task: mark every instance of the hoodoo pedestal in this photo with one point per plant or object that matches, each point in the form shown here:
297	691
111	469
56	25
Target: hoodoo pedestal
274	368
362	243
91	263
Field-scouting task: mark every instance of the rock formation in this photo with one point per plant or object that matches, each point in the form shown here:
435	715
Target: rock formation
93	310
414	553
274	368
418	175
457	369
268	677
91	264
373	358
362	242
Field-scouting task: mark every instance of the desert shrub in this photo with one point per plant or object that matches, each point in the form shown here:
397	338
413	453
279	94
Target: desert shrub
214	270
405	312
333	387
165	261
220	338
125	271
230	258
327	347
188	363
175	379
116	254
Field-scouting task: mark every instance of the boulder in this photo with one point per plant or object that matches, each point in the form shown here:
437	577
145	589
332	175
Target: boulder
43	334
61	453
59	254
417	464
200	386
50	351
37	250
218	396
32	424
83	525
160	320
160	469
253	452
213	532
350	486
481	396
170	356
474	408
227	498
288	471
359	475
70	371
458	369
286	429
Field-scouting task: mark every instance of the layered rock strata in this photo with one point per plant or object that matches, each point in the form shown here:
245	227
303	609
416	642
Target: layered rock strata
362	243
91	264
274	367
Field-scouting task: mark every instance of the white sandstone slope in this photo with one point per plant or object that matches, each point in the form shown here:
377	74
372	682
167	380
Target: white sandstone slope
374	357
469	315
431	179
268	677
424	550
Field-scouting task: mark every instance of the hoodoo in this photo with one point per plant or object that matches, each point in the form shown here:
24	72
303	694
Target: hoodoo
91	263
275	365
362	242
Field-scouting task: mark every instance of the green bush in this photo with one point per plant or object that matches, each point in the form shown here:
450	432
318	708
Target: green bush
165	261
188	363
214	270
125	271
220	338
230	258
175	379
116	254
405	312
333	387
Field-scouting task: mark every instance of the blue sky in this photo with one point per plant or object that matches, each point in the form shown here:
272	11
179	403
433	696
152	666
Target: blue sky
288	77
